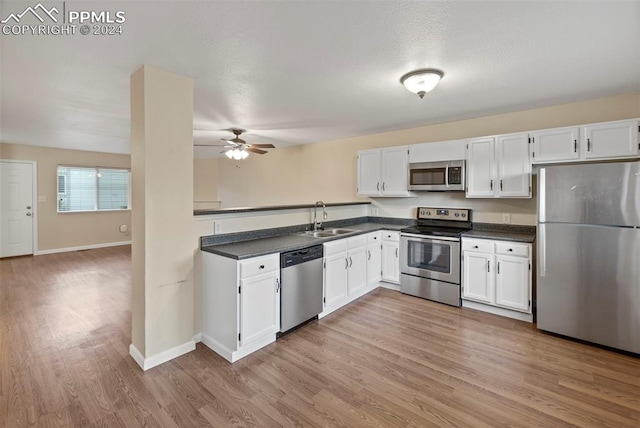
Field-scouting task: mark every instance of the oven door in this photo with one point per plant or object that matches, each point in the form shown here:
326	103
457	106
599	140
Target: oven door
430	257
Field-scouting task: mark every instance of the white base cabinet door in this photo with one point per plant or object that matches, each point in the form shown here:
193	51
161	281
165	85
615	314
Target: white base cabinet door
336	274
374	259
240	303
357	271
477	277
512	282
391	257
259	306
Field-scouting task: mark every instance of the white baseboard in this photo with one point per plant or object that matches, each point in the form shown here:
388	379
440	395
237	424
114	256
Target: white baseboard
390	286
161	357
82	247
197	338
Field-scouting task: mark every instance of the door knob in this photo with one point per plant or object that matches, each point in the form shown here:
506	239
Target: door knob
29	207
29	214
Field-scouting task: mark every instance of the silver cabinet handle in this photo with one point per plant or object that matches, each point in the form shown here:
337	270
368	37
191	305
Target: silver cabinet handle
488	268
501	185
277	285
588	144
346	263
369	255
28	214
575	146
396	253
384	186
378	186
350	261
491	184
498	267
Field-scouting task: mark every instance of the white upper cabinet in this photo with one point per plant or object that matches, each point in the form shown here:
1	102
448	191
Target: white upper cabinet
606	140
369	172
514	166
383	172
611	139
437	152
480	167
499	167
558	144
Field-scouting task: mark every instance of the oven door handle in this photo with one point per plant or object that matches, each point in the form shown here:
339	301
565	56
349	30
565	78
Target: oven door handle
415	237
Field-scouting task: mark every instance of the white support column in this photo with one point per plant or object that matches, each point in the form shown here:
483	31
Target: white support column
162	215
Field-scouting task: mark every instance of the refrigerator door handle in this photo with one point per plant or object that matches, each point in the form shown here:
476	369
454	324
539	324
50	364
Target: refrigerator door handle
541	194
542	271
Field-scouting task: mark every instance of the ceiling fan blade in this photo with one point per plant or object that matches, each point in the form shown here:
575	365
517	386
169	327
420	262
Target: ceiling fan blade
263	146
209	145
258	151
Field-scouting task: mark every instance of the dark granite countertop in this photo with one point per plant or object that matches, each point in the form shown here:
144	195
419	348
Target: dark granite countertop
277	244
271	208
502	232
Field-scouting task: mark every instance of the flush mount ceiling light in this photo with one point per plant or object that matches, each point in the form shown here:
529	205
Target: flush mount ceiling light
421	81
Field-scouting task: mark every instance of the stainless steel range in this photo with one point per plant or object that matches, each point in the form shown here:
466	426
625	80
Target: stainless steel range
430	254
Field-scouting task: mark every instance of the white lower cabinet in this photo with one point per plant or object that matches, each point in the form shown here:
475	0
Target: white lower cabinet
391	257
345	272
496	277
240	303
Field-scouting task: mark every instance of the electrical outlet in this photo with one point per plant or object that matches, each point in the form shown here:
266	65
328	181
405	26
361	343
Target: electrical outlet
506	218
217	227
374	211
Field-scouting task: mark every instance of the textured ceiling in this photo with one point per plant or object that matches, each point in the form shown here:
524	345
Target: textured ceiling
301	72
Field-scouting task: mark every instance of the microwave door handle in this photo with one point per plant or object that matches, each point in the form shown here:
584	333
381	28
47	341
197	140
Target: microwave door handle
446	176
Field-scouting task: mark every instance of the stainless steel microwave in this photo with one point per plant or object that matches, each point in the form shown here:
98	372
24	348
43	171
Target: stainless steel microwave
437	176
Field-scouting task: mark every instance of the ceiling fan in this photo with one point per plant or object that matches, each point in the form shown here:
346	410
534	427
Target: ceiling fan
237	148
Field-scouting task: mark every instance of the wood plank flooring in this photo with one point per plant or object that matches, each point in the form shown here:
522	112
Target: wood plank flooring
387	360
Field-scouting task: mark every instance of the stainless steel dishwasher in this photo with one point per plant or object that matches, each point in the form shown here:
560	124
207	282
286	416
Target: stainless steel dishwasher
301	282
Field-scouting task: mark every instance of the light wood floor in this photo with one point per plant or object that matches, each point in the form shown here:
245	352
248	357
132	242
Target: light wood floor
386	360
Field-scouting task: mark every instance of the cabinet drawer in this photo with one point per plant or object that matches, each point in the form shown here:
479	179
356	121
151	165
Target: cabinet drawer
334	247
390	236
357	241
512	249
374	237
477	245
259	265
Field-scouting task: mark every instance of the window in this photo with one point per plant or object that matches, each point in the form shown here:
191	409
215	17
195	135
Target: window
93	189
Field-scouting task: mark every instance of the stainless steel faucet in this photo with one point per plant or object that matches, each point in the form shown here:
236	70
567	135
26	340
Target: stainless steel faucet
317	225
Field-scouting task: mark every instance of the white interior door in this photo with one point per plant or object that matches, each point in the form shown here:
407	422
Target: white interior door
16	209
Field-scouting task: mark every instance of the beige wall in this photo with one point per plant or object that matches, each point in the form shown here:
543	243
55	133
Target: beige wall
327	170
205	183
59	231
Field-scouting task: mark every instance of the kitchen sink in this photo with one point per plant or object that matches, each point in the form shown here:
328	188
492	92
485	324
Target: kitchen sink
329	233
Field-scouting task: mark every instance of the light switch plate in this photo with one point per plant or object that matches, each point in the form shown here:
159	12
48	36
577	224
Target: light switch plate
42	199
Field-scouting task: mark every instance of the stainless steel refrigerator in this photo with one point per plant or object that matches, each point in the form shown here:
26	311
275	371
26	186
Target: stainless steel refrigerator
589	252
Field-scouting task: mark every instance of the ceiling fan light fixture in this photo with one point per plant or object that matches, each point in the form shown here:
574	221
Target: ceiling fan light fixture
421	81
237	154
229	153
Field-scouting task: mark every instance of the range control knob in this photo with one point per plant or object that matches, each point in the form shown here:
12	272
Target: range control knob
457	214
463	215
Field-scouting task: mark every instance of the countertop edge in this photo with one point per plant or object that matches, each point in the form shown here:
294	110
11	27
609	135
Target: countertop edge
272	208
